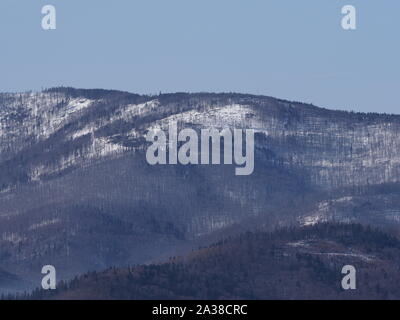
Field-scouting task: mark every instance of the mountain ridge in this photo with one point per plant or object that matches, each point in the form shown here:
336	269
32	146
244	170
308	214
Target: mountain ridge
90	92
74	171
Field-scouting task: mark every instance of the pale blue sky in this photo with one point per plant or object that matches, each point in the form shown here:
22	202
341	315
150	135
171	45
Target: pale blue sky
289	49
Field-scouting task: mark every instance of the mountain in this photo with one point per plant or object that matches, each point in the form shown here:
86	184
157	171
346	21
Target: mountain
77	192
292	263
11	283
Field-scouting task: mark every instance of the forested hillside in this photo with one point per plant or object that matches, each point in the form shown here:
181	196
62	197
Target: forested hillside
77	192
292	263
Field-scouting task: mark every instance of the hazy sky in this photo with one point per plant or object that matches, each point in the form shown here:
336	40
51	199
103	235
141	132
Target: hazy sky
289	49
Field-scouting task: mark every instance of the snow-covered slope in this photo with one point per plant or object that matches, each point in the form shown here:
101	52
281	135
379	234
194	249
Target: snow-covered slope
336	148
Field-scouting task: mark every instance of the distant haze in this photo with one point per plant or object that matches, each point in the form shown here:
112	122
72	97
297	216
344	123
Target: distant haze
289	49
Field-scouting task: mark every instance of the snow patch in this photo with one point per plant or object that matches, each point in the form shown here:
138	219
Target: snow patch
43	224
12	237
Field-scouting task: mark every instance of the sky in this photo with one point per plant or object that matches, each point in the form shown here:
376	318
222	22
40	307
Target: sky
290	49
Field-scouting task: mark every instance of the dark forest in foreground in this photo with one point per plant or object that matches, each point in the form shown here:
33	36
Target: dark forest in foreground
292	263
